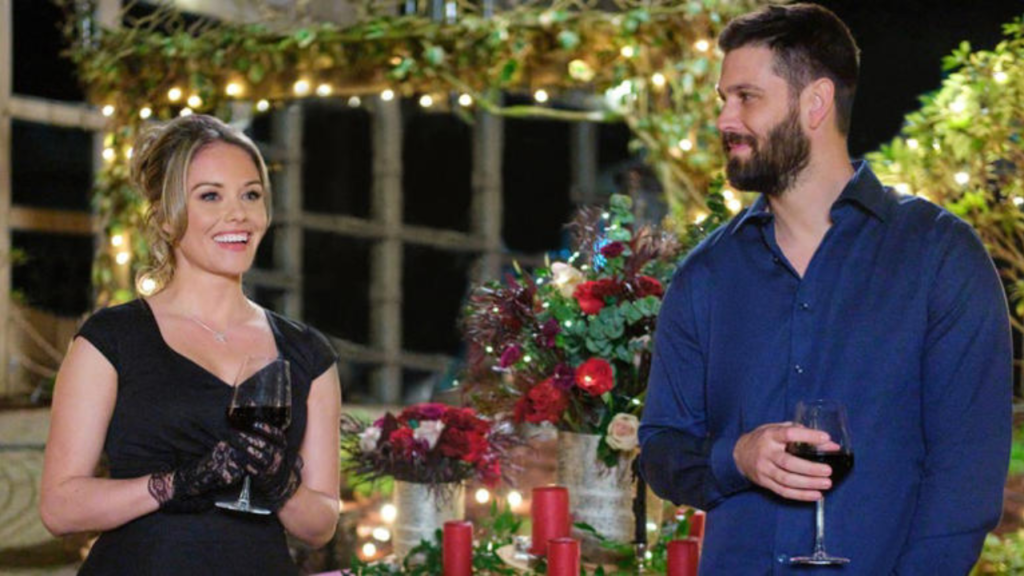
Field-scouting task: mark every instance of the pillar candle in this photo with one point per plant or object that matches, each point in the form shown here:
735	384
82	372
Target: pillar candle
682	557
563	557
549	511
697	520
458	548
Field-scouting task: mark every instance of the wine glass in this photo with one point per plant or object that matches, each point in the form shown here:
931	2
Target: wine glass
263	393
828	416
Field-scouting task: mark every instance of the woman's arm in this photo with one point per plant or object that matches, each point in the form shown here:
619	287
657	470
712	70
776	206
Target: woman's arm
311	514
72	498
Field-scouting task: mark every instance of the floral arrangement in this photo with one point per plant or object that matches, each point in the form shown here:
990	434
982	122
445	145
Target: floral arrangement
570	343
426	443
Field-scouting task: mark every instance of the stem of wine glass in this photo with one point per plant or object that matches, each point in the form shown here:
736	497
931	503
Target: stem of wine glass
243	498
819	522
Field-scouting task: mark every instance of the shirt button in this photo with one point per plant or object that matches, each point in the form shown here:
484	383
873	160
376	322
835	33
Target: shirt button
798	369
782	559
805	306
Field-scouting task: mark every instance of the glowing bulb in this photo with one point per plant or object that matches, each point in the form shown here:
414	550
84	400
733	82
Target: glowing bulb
194	101
627	51
109	154
658	79
388	513
324	90
958	106
686	145
733	205
426	101
465	100
568	324
728	194
490	349
962	178
145	113
263	105
541	96
117	240
1018	201
1001	77
185	112
129	152
700	217
354	101
903	188
108	110
387	95
515	499
301	87
913	144
122	258
233	89
527	358
382	534
483	496
651	526
174	94
702	45
148	286
369	550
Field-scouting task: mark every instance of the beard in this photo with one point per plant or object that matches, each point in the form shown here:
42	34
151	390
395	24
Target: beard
772	168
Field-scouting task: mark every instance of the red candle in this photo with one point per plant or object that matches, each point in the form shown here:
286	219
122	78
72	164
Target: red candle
682	557
563	557
458	548
549	510
697	520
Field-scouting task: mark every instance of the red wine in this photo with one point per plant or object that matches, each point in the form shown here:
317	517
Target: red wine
243	417
840	461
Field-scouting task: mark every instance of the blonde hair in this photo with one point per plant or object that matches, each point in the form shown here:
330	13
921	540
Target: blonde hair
159	170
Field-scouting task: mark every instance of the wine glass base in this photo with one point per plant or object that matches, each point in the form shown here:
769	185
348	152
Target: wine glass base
243	507
819	560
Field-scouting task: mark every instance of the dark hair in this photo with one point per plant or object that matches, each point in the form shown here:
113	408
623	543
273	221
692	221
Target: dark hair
808	42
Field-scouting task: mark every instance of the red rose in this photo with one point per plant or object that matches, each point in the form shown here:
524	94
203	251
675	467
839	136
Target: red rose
595	376
585	295
647	286
489	471
613	249
543	403
403	442
465	419
511	355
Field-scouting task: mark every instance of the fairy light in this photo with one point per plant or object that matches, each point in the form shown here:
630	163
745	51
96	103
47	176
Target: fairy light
122	258
527	358
145	113
728	194
605	215
233	89
700	217
117	240
388	513
465	100
1001	77
354	101
263	105
324	90
913	144
733	205
174	94
902	188
483	496
194	101
185	112
301	87
635	402
651	526
109	154
387	95
495	309
382	534
658	79
148	286
490	349
515	499
541	96
369	550
958	106
686	144
628	51
108	110
962	178
128	152
567	323
426	101
702	45
1018	201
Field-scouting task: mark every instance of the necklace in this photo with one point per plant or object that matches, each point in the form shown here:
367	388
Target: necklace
221	337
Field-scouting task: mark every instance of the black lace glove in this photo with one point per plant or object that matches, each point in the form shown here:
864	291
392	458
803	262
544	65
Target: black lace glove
267	465
187	488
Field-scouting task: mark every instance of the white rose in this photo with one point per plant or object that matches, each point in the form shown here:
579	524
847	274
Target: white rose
369	438
565	277
622	432
430	431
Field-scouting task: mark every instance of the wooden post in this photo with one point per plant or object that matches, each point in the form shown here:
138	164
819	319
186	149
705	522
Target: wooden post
488	143
386	256
6	65
584	160
288	236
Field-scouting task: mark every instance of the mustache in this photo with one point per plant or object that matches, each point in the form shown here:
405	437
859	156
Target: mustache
730	139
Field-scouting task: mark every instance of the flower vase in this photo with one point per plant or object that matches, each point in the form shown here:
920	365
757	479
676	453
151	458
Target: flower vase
422	511
600	496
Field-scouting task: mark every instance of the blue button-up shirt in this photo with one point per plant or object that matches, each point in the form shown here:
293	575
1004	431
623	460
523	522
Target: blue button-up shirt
900	316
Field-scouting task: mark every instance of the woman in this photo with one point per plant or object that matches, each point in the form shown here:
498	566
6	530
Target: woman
149	382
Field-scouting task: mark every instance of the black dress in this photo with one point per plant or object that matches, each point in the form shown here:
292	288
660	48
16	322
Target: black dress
170	411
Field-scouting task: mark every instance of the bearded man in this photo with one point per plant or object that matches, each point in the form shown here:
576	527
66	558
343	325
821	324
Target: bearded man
830	286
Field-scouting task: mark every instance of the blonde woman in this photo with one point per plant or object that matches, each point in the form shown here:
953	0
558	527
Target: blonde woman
148	384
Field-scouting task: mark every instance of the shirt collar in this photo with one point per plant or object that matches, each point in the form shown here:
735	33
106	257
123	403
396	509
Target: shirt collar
863	189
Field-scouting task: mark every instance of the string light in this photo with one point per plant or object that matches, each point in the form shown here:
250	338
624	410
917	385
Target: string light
702	45
354	101
658	79
728	194
483	496
958	106
913	144
122	258
174	94
962	178
263	105
426	101
1001	77
1018	201
903	188
117	240
301	87
388	513
109	154
700	217
145	113
387	95
108	111
515	499
324	90
627	51
382	534
686	145
733	205
490	349
128	152
233	89
541	96
465	100
527	358
194	101
369	550
185	112
567	324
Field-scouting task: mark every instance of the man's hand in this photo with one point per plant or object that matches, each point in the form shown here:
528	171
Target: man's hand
761	456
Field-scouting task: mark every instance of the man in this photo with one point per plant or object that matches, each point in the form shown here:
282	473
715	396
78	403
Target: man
829	286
